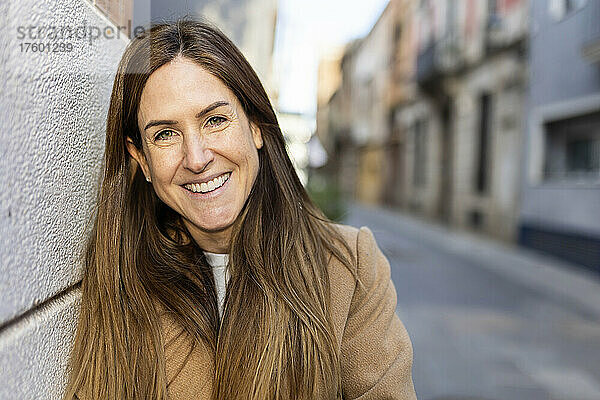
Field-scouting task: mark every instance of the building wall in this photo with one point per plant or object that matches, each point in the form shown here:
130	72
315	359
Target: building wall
461	57
371	164
421	167
404	53
371	79
370	128
503	79
401	90
53	109
562	85
343	166
329	79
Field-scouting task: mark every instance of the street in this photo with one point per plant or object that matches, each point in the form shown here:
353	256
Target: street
489	321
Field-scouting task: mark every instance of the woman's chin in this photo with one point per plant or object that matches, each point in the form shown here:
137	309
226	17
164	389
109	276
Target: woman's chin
213	226
215	221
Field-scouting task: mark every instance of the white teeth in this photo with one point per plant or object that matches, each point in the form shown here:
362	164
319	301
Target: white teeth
208	186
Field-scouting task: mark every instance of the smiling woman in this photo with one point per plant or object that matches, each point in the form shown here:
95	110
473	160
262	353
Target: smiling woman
209	273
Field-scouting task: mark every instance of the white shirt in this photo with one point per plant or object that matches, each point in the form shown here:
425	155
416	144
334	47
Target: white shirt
218	262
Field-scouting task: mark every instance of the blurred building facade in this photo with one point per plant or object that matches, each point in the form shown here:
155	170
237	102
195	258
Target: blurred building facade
371	76
432	101
353	121
334	122
402	93
560	211
481	115
329	76
463	128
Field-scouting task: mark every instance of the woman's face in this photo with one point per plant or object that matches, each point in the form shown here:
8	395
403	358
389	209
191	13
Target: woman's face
199	148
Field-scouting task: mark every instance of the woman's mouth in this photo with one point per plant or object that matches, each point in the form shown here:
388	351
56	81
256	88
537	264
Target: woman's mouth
210	186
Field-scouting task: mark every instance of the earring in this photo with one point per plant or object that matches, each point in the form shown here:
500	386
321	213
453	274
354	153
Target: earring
148	179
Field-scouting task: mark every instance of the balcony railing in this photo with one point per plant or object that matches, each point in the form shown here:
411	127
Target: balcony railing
442	57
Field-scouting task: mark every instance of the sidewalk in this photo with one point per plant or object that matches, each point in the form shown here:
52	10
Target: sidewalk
547	274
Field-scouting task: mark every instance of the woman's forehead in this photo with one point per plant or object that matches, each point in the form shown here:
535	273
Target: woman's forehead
182	85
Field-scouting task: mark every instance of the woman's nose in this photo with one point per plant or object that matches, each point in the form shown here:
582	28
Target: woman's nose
196	155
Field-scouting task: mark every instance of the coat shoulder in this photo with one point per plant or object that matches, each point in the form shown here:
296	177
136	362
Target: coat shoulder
361	242
366	255
350	235
348	232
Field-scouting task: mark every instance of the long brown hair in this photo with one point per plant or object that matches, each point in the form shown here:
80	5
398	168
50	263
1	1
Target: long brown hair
140	256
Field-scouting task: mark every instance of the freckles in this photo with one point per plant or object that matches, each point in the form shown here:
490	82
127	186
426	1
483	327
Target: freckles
158	166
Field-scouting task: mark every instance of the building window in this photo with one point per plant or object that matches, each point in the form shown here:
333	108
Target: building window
582	156
397	32
561	9
483	143
573	149
493	19
420	155
492	7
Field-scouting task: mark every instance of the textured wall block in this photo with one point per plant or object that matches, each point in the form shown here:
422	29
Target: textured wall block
34	351
54	98
53	105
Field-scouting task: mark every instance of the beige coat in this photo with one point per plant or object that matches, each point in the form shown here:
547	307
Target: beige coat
375	349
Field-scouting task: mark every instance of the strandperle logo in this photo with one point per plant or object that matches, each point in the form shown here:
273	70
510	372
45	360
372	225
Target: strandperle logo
91	33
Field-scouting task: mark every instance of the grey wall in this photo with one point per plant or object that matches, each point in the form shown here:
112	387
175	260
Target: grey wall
53	109
562	84
558	70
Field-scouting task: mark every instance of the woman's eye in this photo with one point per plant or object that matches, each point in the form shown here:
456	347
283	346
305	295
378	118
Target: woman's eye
163	135
215	121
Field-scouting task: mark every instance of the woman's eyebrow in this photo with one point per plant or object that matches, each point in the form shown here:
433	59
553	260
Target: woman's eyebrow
202	112
159	122
211	107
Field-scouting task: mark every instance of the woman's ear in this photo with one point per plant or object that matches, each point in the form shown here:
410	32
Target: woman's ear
139	157
256	135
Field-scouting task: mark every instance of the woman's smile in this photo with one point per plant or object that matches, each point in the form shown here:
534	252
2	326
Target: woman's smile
208	189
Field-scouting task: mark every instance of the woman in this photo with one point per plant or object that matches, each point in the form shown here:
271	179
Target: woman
196	180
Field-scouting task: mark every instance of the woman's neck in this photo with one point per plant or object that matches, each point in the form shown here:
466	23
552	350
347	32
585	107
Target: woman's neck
213	242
